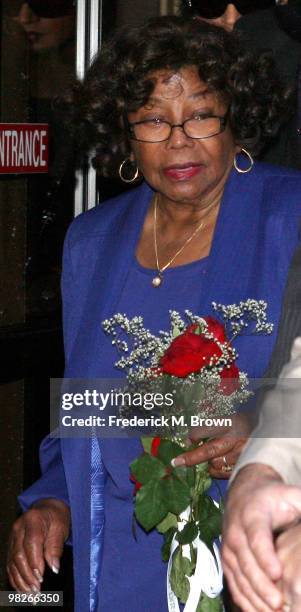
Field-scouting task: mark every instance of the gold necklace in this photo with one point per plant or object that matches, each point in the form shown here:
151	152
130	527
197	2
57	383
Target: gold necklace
158	279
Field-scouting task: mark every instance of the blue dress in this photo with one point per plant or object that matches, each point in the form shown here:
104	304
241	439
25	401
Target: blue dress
256	234
120	549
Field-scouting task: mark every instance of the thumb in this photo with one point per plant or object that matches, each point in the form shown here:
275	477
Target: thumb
289	507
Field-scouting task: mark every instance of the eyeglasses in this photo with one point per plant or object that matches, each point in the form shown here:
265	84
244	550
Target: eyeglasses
211	9
156	130
50	9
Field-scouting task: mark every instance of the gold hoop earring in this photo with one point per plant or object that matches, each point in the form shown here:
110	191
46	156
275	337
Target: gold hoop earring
124	179
251	160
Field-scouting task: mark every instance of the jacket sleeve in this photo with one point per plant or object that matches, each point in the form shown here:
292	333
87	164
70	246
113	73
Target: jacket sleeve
52	482
280	416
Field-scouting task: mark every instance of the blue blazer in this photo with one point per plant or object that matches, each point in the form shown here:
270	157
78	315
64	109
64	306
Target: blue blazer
256	235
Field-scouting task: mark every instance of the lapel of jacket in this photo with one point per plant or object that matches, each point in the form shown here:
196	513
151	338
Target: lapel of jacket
113	260
232	258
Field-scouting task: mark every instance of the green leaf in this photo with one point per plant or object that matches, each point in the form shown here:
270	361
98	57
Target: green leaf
175	332
187	474
204	484
168	450
147	444
180	569
188	534
210	520
150	508
169	521
202	468
168	537
147	468
203	479
177	494
198	331
206	604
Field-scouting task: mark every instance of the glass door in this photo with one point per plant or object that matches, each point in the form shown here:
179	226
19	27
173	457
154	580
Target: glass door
44	44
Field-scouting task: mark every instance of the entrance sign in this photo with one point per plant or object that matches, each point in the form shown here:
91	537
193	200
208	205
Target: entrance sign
24	148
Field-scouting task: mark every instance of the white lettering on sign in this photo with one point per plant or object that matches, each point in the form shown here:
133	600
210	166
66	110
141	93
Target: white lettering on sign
23	148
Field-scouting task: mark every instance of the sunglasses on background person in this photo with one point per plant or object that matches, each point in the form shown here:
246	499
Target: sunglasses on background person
50	9
212	9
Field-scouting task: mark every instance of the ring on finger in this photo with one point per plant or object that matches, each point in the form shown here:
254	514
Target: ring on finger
226	467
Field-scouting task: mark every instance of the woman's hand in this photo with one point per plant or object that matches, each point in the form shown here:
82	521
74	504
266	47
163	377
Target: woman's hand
221	451
37	536
221	454
288	547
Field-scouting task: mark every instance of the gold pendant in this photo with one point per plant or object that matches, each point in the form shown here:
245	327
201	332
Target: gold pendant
157	281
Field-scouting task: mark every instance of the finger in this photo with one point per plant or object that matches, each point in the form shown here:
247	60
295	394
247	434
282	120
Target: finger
214	448
259	537
290	584
17	581
263	597
10	577
227	460
237	551
294	598
237	596
53	548
290	507
220	474
34	548
259	582
18	557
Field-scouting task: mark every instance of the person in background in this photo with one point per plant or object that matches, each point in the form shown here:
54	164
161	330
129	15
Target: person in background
49	28
263	496
222	13
264	25
48	31
48	24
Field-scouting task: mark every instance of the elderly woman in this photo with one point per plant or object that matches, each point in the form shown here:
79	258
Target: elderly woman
180	108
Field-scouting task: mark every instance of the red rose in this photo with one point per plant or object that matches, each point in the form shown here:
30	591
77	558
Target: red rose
216	328
155	446
188	353
230	379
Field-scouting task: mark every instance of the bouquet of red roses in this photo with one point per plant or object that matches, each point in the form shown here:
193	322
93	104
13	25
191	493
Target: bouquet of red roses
195	364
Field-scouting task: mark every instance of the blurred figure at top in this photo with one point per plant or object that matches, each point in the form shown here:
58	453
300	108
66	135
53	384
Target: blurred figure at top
48	24
264	25
222	13
47	29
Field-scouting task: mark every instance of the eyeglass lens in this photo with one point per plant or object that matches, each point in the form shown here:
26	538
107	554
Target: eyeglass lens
150	131
211	9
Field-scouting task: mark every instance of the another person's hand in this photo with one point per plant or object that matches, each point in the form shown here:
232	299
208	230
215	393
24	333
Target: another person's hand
37	537
288	546
258	504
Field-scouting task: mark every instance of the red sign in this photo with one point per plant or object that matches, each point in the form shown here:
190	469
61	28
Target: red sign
23	148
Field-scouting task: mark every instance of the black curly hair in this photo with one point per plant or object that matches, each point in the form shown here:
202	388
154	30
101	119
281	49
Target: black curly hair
121	80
